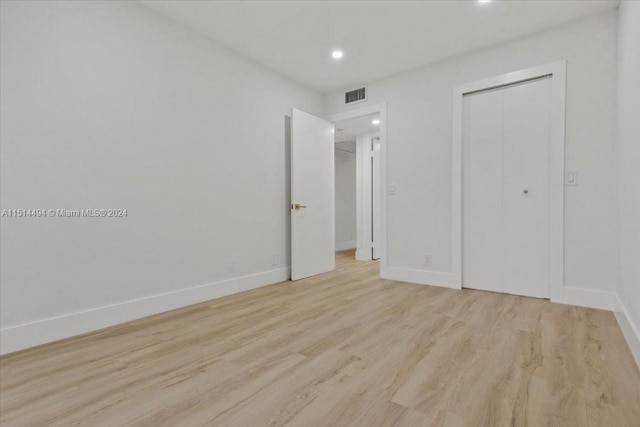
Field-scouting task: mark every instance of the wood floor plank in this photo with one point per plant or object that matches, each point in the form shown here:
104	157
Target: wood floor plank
341	349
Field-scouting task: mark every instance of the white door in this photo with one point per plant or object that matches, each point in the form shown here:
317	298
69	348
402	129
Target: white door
375	198
505	137
312	196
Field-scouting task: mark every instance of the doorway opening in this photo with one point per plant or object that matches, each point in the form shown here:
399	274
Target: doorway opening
357	186
313	190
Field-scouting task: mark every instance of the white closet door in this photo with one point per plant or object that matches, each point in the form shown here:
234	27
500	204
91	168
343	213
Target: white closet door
526	188
482	190
506	189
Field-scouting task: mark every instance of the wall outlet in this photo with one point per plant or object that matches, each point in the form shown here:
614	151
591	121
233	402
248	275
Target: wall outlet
231	266
427	260
393	189
274	260
571	178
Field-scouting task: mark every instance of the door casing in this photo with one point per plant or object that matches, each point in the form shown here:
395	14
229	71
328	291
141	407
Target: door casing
375	197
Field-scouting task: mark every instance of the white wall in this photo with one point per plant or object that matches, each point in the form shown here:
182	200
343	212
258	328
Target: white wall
628	160
419	132
345	200
108	105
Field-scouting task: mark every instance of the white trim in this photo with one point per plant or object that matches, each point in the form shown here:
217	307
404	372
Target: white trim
19	337
590	298
422	277
364	193
363	198
572	296
630	330
381	109
343	246
556	168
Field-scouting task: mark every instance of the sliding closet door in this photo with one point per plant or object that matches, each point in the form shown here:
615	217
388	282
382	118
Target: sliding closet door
506	189
482	121
526	188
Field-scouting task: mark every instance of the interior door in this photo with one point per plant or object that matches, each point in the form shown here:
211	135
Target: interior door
375	198
312	196
506	136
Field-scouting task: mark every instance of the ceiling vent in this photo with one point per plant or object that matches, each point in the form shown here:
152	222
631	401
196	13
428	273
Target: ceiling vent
357	95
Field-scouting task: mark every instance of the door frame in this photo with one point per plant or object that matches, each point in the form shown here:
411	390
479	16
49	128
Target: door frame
375	202
558	73
364	196
380	109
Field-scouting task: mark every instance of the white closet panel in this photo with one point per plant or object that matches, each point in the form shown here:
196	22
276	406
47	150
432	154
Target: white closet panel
506	189
482	190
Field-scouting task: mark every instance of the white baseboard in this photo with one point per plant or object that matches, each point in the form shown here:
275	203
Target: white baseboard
630	330
19	337
587	298
572	296
422	277
343	246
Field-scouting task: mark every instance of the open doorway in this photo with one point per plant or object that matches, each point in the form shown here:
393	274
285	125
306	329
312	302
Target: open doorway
313	189
357	186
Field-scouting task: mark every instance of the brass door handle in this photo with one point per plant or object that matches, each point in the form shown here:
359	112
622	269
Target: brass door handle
525	191
298	206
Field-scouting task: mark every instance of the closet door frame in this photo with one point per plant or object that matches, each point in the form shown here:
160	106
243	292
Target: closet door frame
557	71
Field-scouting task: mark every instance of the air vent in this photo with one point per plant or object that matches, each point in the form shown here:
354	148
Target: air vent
357	95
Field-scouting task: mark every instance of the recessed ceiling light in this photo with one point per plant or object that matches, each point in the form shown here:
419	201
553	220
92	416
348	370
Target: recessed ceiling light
375	121
484	1
337	54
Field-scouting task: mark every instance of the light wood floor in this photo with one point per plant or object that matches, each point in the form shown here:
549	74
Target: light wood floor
341	349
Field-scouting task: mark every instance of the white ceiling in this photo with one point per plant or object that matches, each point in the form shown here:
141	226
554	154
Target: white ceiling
379	38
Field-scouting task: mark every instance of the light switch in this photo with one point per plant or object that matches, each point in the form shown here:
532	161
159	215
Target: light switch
572	178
